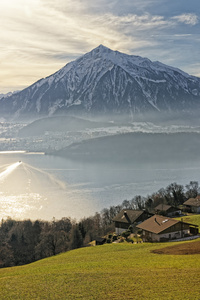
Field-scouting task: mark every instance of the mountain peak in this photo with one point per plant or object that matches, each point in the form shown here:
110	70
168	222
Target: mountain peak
117	57
104	81
100	50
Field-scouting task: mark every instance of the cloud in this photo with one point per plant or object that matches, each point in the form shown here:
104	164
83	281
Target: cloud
141	22
59	28
40	36
189	19
195	69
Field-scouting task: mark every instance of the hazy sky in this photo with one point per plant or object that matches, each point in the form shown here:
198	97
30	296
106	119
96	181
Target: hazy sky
38	37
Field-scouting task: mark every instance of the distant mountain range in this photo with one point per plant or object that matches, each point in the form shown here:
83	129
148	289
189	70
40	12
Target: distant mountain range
105	82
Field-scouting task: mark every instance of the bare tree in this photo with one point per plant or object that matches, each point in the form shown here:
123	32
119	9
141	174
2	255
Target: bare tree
192	189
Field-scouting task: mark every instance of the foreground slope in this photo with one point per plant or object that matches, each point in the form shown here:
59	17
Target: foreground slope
104	82
117	271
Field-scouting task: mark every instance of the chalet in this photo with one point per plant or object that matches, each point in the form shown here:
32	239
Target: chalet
129	217
193	204
159	228
167	210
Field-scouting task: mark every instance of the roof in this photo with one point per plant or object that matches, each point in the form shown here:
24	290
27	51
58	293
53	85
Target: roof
193	201
165	207
100	239
128	216
157	224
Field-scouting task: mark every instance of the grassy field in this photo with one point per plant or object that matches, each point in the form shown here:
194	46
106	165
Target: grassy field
112	271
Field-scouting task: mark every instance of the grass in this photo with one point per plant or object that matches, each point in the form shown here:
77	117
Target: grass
112	271
191	218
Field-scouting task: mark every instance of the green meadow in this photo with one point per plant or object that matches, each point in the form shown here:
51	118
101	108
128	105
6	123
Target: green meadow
191	218
111	271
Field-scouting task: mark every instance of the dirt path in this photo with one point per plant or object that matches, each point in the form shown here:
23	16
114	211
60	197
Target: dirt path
180	249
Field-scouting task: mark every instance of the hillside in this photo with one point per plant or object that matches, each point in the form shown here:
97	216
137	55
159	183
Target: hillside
136	147
115	271
191	218
61	124
106	82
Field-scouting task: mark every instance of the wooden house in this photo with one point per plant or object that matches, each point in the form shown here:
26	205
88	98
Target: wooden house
193	204
159	228
129	217
167	210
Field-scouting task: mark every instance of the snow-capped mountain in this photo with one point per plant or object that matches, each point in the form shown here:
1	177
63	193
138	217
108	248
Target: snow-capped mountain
8	94
107	82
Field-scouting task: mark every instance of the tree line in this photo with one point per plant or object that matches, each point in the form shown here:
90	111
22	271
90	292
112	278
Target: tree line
23	242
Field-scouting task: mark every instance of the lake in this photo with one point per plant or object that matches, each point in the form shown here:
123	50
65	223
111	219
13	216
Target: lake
39	186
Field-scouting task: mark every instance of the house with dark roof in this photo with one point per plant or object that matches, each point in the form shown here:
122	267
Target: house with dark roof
129	217
167	210
159	228
193	204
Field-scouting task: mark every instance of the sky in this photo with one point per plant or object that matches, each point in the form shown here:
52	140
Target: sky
38	37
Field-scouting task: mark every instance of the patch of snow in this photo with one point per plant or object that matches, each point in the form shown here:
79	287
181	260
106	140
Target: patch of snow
162	67
195	92
76	102
154	105
8	94
55	106
155	81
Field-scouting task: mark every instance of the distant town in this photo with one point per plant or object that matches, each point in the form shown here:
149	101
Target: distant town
51	140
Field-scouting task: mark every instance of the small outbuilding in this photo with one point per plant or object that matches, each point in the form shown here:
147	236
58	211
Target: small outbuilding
193	204
159	228
129	217
167	210
100	241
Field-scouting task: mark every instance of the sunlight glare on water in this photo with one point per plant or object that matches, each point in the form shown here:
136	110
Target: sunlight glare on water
19	191
29	192
9	170
39	186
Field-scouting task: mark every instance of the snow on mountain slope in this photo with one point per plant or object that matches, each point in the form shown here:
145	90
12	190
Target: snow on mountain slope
8	94
107	82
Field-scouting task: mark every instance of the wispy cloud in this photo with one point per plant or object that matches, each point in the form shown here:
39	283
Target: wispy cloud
189	19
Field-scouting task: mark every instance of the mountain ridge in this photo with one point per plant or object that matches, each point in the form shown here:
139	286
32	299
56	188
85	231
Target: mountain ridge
104	81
